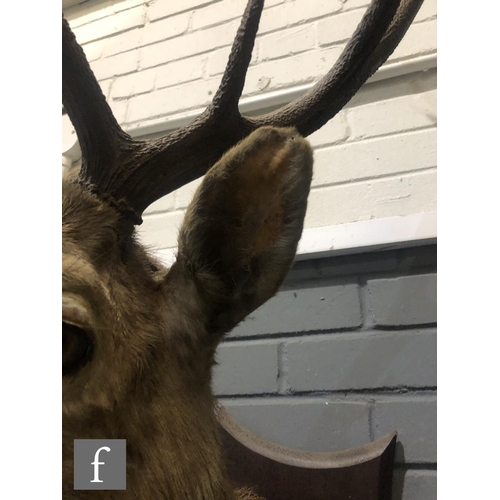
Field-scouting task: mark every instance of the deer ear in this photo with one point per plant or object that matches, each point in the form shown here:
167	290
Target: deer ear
241	231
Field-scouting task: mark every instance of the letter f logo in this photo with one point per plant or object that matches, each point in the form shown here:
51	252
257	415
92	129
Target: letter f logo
88	464
96	464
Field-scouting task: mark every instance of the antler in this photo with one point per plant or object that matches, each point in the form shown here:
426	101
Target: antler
133	174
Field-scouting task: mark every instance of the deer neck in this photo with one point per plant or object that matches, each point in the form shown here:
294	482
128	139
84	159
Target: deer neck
173	448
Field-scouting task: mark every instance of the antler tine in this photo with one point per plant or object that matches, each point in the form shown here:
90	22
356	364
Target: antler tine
233	80
378	34
99	134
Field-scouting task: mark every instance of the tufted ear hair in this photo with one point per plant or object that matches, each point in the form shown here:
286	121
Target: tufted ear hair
241	231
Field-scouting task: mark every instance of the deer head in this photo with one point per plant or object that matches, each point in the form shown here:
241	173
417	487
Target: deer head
139	340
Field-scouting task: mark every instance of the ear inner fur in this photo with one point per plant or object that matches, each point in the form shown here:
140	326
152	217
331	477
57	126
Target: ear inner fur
241	230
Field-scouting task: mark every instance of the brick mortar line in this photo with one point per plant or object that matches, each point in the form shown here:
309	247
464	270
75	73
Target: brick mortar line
207	3
373	178
266	33
366	394
143	5
371	429
423	466
378	391
367	276
289	335
365	304
283	385
149	215
389	328
324	334
397	273
373	138
109	36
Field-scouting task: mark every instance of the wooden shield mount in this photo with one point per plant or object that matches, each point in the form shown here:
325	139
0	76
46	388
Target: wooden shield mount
279	473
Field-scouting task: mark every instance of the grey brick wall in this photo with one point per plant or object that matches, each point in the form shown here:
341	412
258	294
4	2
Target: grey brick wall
345	353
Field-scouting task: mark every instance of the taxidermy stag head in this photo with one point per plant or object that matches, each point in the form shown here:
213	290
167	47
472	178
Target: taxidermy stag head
139	340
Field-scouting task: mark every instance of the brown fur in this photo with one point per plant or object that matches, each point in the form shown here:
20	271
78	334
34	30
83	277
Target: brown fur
155	331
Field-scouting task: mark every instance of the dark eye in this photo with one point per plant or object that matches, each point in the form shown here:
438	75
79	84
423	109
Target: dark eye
76	348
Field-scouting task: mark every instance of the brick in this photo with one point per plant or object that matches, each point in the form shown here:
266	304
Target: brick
362	361
110	25
272	3
420	39
164	204
217	13
394	88
339	28
172	100
124	42
304	270
406	300
160	230
400	114
423	258
287	42
357	264
298	12
307	308
415	419
323	424
105	87
353	4
191	44
246	368
291	71
119	5
93	51
217	60
332	132
402	153
387	197
116	65
81	14
133	84
415	485
179	72
165	8
88	12
427	11
119	109
165	29
221	12
185	194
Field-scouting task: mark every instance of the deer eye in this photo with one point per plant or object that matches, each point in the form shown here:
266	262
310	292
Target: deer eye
76	348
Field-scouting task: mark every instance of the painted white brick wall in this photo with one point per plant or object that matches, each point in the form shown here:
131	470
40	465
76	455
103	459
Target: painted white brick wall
157	59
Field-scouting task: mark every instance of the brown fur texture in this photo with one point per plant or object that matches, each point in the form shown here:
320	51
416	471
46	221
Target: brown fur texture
155	331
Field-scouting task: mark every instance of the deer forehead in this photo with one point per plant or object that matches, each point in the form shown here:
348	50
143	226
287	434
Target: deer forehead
87	221
78	272
84	289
